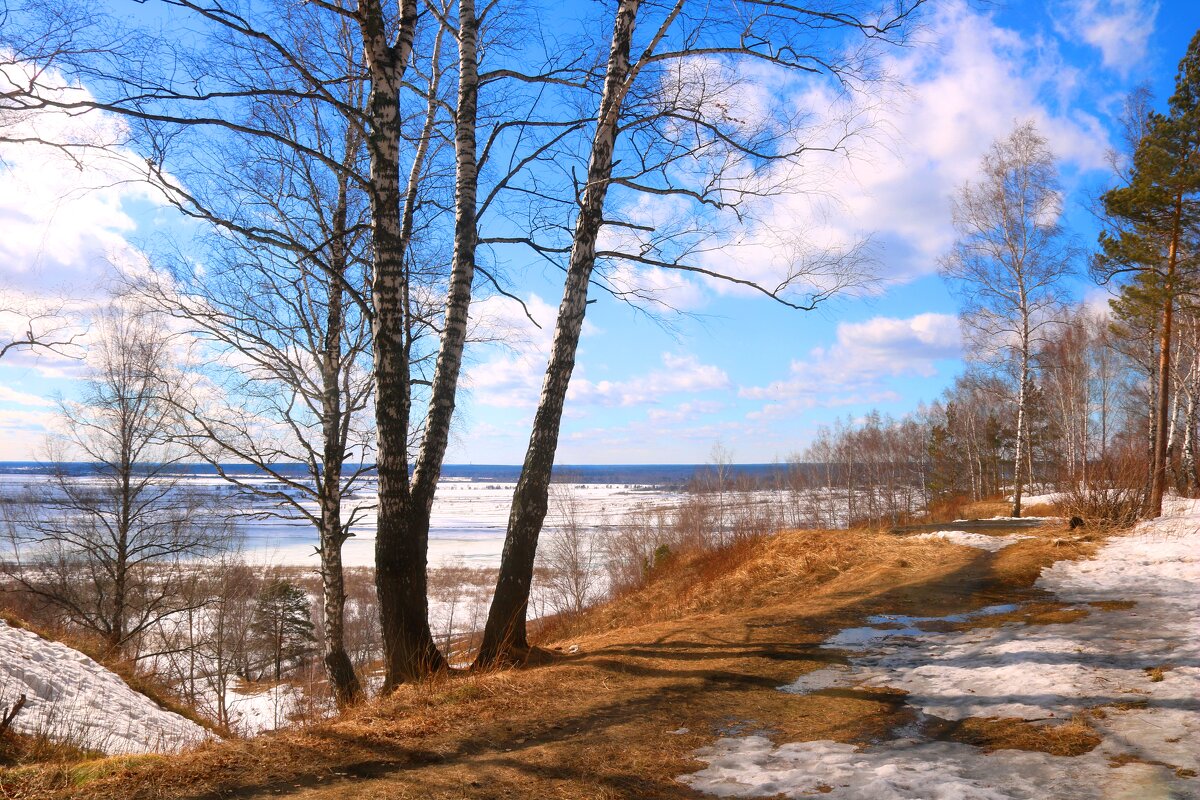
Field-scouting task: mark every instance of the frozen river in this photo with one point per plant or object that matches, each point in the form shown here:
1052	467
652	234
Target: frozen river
470	511
467	526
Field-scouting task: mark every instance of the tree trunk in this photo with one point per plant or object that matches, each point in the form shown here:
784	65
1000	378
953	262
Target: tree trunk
504	636
400	550
1187	466
1159	480
340	671
462	275
1021	398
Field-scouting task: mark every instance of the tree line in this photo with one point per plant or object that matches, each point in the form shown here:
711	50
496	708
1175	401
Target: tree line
1098	405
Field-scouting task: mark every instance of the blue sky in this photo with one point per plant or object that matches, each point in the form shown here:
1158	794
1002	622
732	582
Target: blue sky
737	369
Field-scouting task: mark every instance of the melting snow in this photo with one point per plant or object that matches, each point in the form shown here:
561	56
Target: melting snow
1036	672
979	540
71	698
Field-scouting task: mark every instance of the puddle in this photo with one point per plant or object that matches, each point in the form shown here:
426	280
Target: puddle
891	626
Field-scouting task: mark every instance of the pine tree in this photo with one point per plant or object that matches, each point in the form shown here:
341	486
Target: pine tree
283	623
1155	230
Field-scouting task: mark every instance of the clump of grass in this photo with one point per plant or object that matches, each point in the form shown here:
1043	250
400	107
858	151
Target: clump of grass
19	749
1156	674
1072	738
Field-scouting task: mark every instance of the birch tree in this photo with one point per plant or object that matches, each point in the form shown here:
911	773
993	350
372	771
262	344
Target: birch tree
182	94
671	71
108	548
1007	266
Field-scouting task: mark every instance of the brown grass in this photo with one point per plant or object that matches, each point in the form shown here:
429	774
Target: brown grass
760	572
703	646
1158	673
1072	738
986	509
1113	605
1122	759
19	749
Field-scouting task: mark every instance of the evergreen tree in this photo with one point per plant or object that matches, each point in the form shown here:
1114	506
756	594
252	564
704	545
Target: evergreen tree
283	623
1155	231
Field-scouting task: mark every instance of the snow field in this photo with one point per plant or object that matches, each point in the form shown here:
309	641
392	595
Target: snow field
1111	659
71	698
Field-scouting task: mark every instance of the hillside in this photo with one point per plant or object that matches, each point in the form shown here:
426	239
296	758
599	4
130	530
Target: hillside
846	665
73	699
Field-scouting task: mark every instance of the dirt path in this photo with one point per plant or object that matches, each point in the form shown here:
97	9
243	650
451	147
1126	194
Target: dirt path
621	715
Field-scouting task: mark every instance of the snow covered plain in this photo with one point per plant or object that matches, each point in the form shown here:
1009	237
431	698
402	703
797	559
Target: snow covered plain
466	527
1110	658
69	697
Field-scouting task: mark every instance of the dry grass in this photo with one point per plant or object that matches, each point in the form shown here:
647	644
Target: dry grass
1158	673
761	572
20	749
1113	605
1122	759
986	509
702	647
1071	738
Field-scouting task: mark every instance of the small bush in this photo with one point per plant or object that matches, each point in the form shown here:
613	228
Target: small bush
1115	493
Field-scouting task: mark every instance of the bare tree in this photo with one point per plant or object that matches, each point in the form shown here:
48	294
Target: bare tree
1008	264
38	324
279	306
572	557
662	128
108	545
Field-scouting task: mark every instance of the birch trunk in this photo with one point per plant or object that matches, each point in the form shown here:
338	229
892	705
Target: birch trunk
1021	398
462	275
400	551
342	680
504	636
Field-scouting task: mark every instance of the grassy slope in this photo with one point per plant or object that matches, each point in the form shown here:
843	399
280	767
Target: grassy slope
702	647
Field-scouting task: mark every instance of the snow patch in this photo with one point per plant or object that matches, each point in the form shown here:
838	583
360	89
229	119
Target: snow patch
1041	673
982	541
251	713
72	698
907	769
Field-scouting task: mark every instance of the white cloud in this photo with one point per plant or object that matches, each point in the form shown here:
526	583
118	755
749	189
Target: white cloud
911	145
15	397
63	208
515	355
1119	29
853	369
655	288
23	432
687	412
680	374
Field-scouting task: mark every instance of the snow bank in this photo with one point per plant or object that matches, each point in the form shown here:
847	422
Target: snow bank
252	713
72	698
979	540
1110	658
1040	499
